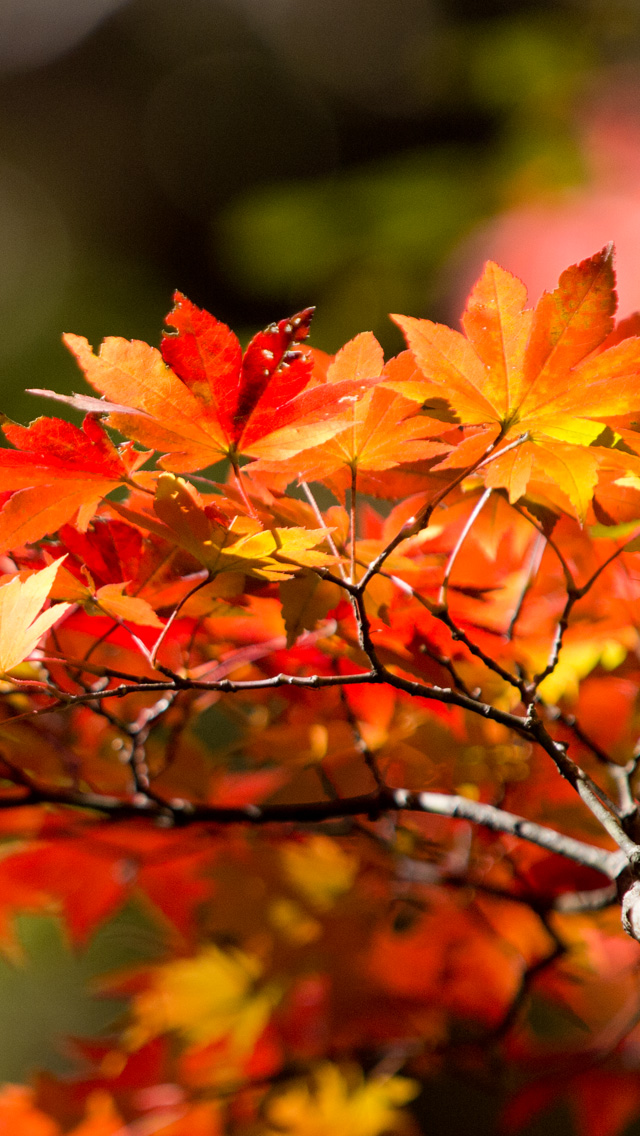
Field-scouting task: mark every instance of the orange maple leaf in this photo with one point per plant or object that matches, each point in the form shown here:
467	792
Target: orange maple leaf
533	373
383	431
201	399
181	517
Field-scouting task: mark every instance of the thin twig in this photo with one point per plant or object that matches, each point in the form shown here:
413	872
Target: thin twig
533	565
458	635
160	640
573	595
473	515
353	519
306	489
360	743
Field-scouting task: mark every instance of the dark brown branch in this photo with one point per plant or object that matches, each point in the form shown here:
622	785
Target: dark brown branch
530	727
441	612
620	774
373	805
593	796
573	595
360	743
461	636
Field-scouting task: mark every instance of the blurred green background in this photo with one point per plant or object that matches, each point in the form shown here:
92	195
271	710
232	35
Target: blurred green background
261	155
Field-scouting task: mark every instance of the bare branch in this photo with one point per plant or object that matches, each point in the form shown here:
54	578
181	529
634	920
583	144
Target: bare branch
306	488
421	520
535	558
445	804
442	613
473	515
180	813
360	743
620	774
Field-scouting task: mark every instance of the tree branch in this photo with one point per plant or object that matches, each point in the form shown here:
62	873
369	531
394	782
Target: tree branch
181	813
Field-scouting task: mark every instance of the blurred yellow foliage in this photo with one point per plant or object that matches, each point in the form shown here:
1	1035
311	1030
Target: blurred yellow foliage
209	998
320	870
336	1102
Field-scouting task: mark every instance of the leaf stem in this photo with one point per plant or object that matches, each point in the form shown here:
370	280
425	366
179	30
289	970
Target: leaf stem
352	520
473	516
306	489
240	485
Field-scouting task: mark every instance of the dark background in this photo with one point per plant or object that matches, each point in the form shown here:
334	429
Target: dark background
261	155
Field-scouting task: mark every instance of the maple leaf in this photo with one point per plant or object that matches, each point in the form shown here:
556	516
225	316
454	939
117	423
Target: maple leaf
206	998
201	399
319	870
536	373
306	599
337	1102
384	429
115	554
167	874
243	545
57	471
109	599
418	681
22	621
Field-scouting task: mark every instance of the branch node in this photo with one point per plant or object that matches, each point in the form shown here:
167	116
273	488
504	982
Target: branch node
141	801
178	804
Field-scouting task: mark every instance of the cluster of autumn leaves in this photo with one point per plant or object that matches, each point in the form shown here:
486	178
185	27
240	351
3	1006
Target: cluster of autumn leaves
466	516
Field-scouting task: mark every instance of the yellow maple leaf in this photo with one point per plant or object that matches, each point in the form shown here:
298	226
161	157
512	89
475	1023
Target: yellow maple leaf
319	870
22	621
182	517
336	1102
132	609
212	997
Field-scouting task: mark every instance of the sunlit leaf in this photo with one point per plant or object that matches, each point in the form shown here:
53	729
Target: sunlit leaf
22	620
